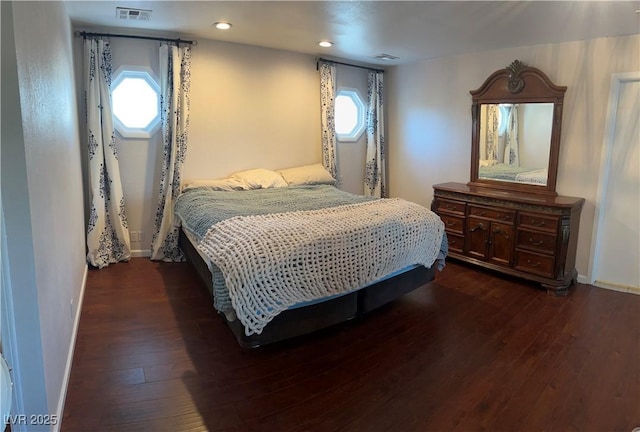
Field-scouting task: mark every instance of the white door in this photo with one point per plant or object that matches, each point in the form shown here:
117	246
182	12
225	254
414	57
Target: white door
617	241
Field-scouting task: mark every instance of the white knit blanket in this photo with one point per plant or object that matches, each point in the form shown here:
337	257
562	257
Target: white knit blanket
271	262
535	177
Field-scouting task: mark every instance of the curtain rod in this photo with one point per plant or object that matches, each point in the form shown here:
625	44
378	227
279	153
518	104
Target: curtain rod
176	41
320	59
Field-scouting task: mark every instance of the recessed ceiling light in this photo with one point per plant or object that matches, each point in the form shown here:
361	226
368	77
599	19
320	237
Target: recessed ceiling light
325	44
222	25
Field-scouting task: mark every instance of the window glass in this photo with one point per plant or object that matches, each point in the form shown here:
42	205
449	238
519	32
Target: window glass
136	104
349	115
503	115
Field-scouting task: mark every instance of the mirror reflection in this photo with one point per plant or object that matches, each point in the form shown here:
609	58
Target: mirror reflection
515	140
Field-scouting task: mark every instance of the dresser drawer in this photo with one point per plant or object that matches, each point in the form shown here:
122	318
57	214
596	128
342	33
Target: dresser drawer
456	242
492	213
536	221
534	263
450	206
536	241
453	224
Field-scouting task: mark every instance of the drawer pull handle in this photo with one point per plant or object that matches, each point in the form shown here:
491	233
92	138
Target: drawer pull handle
451	223
506	218
535	243
500	231
482	213
449	206
537	223
477	227
453	241
532	264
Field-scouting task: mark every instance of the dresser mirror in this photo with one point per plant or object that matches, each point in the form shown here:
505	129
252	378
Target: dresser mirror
516	123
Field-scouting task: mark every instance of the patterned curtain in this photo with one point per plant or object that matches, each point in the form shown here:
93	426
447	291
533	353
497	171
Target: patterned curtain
327	111
512	144
492	137
107	231
175	83
375	173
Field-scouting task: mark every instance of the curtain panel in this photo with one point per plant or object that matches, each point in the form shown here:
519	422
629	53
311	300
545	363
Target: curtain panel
375	172
175	84
492	135
327	112
512	144
107	229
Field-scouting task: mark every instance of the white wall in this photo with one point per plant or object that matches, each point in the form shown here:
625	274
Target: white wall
535	134
20	287
617	257
429	109
51	249
251	107
351	156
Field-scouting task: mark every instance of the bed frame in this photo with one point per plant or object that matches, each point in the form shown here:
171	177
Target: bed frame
307	319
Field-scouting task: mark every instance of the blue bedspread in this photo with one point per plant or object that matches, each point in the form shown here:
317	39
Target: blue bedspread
200	208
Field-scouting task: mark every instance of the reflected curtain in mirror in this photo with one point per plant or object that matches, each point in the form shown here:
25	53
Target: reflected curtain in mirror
511	144
491	135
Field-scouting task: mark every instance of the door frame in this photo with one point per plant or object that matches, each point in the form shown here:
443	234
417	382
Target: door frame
9	336
617	80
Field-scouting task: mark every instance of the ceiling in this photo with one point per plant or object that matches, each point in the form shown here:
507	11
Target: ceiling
360	30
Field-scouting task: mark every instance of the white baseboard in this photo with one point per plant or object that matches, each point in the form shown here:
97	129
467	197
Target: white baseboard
613	287
583	279
141	253
72	346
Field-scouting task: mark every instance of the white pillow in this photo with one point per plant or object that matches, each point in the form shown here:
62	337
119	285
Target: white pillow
222	184
260	178
307	175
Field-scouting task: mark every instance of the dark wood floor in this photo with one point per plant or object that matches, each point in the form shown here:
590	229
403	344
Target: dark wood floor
470	351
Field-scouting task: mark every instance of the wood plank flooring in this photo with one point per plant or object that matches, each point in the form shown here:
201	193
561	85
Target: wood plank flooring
471	351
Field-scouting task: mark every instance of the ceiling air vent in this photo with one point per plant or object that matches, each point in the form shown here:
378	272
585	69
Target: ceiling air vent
385	57
133	14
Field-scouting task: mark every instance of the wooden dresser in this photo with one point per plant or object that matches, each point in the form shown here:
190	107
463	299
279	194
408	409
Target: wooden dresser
522	234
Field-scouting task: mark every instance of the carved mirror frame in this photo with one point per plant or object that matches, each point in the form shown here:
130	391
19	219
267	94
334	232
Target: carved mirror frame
517	83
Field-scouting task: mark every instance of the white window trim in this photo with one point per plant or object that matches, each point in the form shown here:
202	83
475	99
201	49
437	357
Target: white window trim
355	135
147	74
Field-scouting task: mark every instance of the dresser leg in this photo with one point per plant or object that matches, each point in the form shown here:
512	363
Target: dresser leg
557	291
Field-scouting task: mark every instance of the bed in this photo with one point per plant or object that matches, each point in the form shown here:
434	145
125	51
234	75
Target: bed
538	177
281	262
518	174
